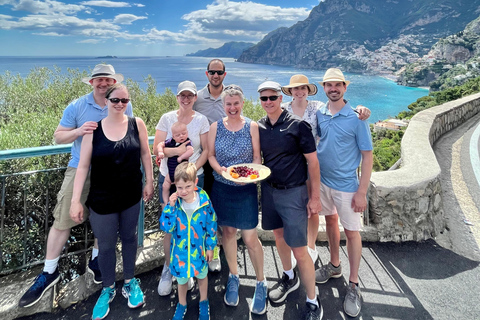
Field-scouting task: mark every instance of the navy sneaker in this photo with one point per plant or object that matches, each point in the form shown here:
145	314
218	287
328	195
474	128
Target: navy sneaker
42	283
94	269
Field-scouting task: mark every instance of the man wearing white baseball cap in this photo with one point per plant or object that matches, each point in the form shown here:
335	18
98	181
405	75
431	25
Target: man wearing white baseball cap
80	117
288	149
345	142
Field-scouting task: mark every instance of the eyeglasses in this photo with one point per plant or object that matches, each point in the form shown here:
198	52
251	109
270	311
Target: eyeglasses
212	72
186	96
272	98
117	100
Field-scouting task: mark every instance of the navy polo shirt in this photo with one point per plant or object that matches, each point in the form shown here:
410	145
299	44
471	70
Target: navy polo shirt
283	146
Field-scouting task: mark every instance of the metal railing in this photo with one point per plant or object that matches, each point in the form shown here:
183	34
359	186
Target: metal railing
26	206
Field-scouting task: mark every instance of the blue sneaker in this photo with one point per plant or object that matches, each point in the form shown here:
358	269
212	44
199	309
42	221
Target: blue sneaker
133	293
42	283
204	313
102	307
259	303
94	269
231	293
180	312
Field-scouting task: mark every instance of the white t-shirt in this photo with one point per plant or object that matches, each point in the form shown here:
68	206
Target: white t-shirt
199	125
310	114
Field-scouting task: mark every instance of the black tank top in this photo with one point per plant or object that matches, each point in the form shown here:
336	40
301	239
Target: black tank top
115	178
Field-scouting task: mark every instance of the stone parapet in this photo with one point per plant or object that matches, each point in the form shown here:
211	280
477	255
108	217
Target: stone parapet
406	204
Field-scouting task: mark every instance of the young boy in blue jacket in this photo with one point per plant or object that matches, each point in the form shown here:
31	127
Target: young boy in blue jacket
190	218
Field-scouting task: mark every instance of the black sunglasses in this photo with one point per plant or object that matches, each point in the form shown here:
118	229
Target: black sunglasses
117	100
212	72
272	98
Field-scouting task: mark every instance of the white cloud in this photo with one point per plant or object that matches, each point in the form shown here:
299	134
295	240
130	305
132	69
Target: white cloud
108	4
5	17
45	7
90	41
139	5
127	18
248	20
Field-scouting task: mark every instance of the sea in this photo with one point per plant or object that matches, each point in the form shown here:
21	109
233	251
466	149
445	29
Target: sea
382	96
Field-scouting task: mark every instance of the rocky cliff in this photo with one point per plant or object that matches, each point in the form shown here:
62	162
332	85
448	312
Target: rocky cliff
376	36
229	50
451	61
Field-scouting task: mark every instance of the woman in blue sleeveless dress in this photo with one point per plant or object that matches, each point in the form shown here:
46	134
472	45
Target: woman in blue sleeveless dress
233	140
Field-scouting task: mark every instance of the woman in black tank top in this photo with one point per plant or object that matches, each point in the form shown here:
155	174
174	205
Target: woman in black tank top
114	154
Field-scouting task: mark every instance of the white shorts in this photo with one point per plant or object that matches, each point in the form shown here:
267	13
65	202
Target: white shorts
334	201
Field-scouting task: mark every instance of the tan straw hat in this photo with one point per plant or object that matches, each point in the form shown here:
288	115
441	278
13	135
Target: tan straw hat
297	81
103	71
334	74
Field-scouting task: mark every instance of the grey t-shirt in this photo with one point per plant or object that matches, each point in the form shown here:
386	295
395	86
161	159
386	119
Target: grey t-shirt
190	208
209	106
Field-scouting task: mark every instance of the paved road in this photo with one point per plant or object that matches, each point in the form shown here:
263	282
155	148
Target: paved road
435	279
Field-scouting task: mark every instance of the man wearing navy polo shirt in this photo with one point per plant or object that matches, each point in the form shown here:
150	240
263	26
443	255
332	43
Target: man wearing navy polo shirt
345	141
288	149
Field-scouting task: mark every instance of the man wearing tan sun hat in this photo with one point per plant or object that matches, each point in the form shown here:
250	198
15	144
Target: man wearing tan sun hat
345	142
300	89
80	117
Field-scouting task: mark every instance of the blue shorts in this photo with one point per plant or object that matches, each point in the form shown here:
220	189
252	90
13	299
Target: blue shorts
201	275
287	209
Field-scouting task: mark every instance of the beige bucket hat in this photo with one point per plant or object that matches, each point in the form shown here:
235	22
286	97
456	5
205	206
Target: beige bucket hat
297	81
103	71
333	74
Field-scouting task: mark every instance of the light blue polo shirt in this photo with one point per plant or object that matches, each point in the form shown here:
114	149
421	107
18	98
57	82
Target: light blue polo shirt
80	111
342	138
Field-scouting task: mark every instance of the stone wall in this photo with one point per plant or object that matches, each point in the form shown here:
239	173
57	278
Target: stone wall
406	204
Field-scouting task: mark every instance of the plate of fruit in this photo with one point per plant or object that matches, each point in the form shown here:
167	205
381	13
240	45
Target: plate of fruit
246	172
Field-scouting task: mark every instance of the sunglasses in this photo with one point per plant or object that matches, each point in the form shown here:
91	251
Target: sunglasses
272	98
212	72
117	100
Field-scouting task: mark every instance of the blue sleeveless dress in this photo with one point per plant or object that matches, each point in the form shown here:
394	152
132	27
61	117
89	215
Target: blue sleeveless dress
236	205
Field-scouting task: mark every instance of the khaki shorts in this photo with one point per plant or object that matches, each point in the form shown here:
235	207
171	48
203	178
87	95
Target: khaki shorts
334	201
61	213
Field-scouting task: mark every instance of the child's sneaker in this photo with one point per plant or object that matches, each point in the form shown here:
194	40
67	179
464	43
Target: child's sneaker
102	307
180	312
165	283
133	293
215	265
204	313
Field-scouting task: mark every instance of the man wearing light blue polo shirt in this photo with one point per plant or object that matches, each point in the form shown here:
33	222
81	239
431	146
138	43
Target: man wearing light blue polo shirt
79	118
345	142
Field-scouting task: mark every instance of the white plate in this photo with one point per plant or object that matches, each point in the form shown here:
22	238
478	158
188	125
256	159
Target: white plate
263	172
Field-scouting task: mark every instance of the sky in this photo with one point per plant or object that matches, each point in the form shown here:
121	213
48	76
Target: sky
139	27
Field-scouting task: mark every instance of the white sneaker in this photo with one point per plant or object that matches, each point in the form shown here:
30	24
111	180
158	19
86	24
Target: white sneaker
294	261
313	254
190	283
165	283
215	265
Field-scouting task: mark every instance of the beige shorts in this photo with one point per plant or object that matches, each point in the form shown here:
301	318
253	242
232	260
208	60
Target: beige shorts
334	201
61	213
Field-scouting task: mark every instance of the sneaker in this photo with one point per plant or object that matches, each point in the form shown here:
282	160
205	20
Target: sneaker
204	313
313	254
133	293
165	283
352	304
214	265
284	286
180	312
231	293
314	312
102	307
41	284
324	273
259	303
190	283
94	269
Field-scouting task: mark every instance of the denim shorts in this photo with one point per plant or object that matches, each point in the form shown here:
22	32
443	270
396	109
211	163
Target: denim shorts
235	206
287	209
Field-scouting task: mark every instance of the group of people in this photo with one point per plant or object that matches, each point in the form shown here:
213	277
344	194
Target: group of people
312	149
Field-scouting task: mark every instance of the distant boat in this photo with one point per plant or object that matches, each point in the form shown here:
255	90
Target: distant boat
107	57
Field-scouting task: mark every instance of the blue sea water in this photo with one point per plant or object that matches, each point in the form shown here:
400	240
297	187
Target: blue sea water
384	97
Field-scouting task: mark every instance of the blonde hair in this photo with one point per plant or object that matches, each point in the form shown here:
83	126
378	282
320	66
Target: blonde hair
186	171
178	126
